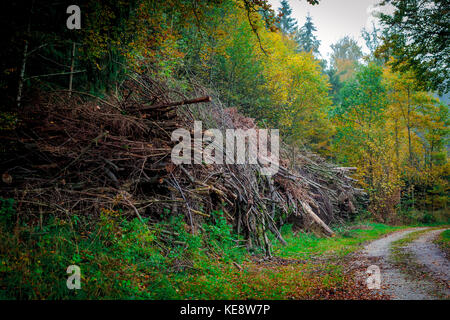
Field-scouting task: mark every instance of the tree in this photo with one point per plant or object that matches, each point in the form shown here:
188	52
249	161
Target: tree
345	57
363	141
363	98
417	35
306	39
410	104
420	125
335	84
343	63
372	38
346	48
299	96
284	89
287	24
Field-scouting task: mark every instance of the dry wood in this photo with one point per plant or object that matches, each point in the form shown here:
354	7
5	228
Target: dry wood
177	103
316	219
133	159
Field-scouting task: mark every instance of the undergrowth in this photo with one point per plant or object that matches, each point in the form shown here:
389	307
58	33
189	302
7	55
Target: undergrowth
127	259
443	241
118	258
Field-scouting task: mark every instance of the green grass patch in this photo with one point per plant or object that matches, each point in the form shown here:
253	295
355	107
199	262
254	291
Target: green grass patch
443	241
347	240
118	258
126	259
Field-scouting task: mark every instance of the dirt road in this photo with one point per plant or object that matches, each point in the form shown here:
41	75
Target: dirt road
425	255
428	254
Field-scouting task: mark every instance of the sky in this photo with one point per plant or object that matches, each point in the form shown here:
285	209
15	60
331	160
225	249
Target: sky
334	19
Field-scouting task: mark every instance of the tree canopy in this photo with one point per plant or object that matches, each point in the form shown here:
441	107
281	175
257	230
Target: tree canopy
417	35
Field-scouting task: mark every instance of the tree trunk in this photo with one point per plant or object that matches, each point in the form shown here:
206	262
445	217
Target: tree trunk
71	68
409	130
317	220
24	59
22	70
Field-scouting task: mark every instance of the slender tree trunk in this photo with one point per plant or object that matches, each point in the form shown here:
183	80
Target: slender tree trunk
430	157
397	146
72	65
22	70
409	144
24	60
409	130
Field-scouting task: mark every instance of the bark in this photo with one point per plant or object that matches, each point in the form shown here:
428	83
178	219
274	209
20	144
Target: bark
24	61
178	103
71	68
22	72
317	220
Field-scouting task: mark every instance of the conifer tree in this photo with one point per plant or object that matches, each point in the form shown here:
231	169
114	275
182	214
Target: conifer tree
306	39
287	24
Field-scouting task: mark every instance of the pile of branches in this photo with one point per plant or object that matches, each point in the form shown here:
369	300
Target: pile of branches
73	153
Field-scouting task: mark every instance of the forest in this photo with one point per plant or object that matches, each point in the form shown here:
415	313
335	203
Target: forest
92	92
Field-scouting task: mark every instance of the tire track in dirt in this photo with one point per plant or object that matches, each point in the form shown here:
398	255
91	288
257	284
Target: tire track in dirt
431	257
426	258
393	282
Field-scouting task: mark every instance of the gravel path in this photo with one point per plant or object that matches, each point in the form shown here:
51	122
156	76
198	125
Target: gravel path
380	248
403	287
428	254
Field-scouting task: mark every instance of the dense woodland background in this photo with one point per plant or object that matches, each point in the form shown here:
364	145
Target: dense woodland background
383	112
375	111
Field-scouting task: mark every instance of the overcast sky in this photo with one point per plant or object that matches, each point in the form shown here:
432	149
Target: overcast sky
334	19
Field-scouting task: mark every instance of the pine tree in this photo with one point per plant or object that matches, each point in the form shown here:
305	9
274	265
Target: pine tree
287	24
306	39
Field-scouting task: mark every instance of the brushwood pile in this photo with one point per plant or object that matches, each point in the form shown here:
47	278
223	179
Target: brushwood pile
81	154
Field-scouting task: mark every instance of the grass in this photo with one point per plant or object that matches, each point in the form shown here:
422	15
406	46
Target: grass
119	259
348	240
123	259
443	241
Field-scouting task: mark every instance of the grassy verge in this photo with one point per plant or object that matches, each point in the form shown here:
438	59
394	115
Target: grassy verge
348	240
123	259
443	241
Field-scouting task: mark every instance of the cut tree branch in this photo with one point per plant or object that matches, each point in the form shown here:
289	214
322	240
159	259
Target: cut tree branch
178	103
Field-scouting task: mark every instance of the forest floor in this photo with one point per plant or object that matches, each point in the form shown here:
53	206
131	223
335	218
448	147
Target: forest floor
412	266
121	259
